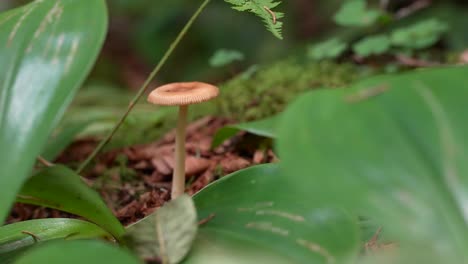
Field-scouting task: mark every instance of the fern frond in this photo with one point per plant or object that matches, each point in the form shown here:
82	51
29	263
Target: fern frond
263	9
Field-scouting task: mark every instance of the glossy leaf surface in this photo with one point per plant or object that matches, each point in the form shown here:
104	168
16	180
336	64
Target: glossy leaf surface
392	148
46	50
254	216
19	237
61	188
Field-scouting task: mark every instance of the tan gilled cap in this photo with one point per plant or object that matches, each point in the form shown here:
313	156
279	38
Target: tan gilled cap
183	93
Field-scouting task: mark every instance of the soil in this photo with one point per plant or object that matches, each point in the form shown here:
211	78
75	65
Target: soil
136	180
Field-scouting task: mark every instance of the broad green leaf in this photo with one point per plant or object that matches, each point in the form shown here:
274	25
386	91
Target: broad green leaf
420	35
392	148
406	256
356	13
373	45
264	128
225	57
19	237
255	216
212	248
46	50
330	49
168	233
77	252
60	188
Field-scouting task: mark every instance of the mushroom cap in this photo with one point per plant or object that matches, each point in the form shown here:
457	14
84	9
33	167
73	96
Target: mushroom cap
183	93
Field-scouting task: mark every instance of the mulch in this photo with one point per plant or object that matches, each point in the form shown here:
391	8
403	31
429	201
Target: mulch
136	180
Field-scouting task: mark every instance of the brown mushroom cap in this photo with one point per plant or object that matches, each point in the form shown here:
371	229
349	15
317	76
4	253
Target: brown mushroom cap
183	93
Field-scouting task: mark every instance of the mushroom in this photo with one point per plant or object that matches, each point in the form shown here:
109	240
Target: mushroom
181	94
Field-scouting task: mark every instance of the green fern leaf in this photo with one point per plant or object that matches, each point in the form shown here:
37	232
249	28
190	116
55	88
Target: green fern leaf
263	9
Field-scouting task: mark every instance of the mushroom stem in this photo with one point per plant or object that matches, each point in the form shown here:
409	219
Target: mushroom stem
178	178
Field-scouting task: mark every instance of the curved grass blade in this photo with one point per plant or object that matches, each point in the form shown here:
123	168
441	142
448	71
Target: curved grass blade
61	188
16	238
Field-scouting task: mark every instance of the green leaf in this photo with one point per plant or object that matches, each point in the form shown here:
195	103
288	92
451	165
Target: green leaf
330	49
48	48
263	9
77	252
373	45
420	35
17	238
392	148
225	57
264	128
254	216
355	13
405	256
168	233
60	188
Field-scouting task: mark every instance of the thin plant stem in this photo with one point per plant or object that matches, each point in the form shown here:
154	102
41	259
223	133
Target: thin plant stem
143	88
178	178
44	162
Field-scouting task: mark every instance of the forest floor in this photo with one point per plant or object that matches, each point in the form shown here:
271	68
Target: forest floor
136	180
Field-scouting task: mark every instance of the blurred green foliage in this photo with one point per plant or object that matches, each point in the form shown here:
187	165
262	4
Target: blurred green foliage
373	45
223	57
421	35
376	31
356	13
329	49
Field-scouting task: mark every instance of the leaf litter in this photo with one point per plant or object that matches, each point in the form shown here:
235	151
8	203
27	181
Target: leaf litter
134	181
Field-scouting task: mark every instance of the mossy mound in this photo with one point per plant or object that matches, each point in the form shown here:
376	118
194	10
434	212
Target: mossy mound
272	87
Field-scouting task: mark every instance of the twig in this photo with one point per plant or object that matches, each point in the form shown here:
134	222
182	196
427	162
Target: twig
373	245
273	15
206	220
71	235
373	241
35	237
384	4
413	8
44	162
413	62
366	94
464	57
144	88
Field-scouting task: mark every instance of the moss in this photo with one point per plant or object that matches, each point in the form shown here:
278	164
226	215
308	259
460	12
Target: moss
270	90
